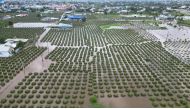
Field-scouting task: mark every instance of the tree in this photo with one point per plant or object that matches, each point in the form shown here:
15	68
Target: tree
38	15
93	99
3	23
10	23
2	40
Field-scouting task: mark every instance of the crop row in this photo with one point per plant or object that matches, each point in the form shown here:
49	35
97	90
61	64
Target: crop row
65	89
123	36
90	35
136	70
26	33
11	66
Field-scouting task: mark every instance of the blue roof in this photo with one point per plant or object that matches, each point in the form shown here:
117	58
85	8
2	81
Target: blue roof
76	17
2	1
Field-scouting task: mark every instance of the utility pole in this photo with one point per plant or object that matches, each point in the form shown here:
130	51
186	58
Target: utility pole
23	68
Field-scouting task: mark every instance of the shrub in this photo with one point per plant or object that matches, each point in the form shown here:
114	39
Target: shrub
93	99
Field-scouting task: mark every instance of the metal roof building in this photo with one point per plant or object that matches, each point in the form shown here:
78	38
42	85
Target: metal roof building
76	17
5	51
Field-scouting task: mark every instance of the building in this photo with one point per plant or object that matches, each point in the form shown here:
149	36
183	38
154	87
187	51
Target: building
2	2
165	17
49	19
21	15
7	48
16	40
5	51
32	25
6	17
76	18
183	17
62	26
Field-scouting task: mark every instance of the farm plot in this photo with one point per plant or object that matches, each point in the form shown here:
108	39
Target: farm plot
119	36
145	70
54	14
89	35
84	67
27	33
73	37
32	17
145	26
94	36
49	90
71	59
146	34
138	18
179	49
10	67
74	23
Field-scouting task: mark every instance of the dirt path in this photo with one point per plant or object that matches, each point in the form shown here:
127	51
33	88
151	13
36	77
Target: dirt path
43	35
126	102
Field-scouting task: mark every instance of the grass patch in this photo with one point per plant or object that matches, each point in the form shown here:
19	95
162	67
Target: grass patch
110	16
94	103
184	22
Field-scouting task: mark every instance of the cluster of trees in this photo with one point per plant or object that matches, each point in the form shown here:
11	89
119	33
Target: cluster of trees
4	23
183	22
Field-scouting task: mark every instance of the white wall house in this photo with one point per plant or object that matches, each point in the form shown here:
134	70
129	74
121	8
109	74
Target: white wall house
7	48
5	51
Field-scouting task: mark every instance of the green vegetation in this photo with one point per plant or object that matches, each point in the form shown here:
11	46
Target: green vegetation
20	45
94	102
11	66
27	33
88	64
3	23
184	22
2	40
96	105
107	16
103	27
93	99
177	13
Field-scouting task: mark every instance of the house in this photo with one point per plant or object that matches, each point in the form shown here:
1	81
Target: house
5	51
123	12
6	17
62	26
7	48
21	15
165	17
2	1
183	17
77	18
16	40
49	19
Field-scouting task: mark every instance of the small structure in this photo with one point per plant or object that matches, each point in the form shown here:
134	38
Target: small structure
6	17
32	25
62	26
5	51
166	17
2	1
21	15
49	19
7	48
77	18
16	40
